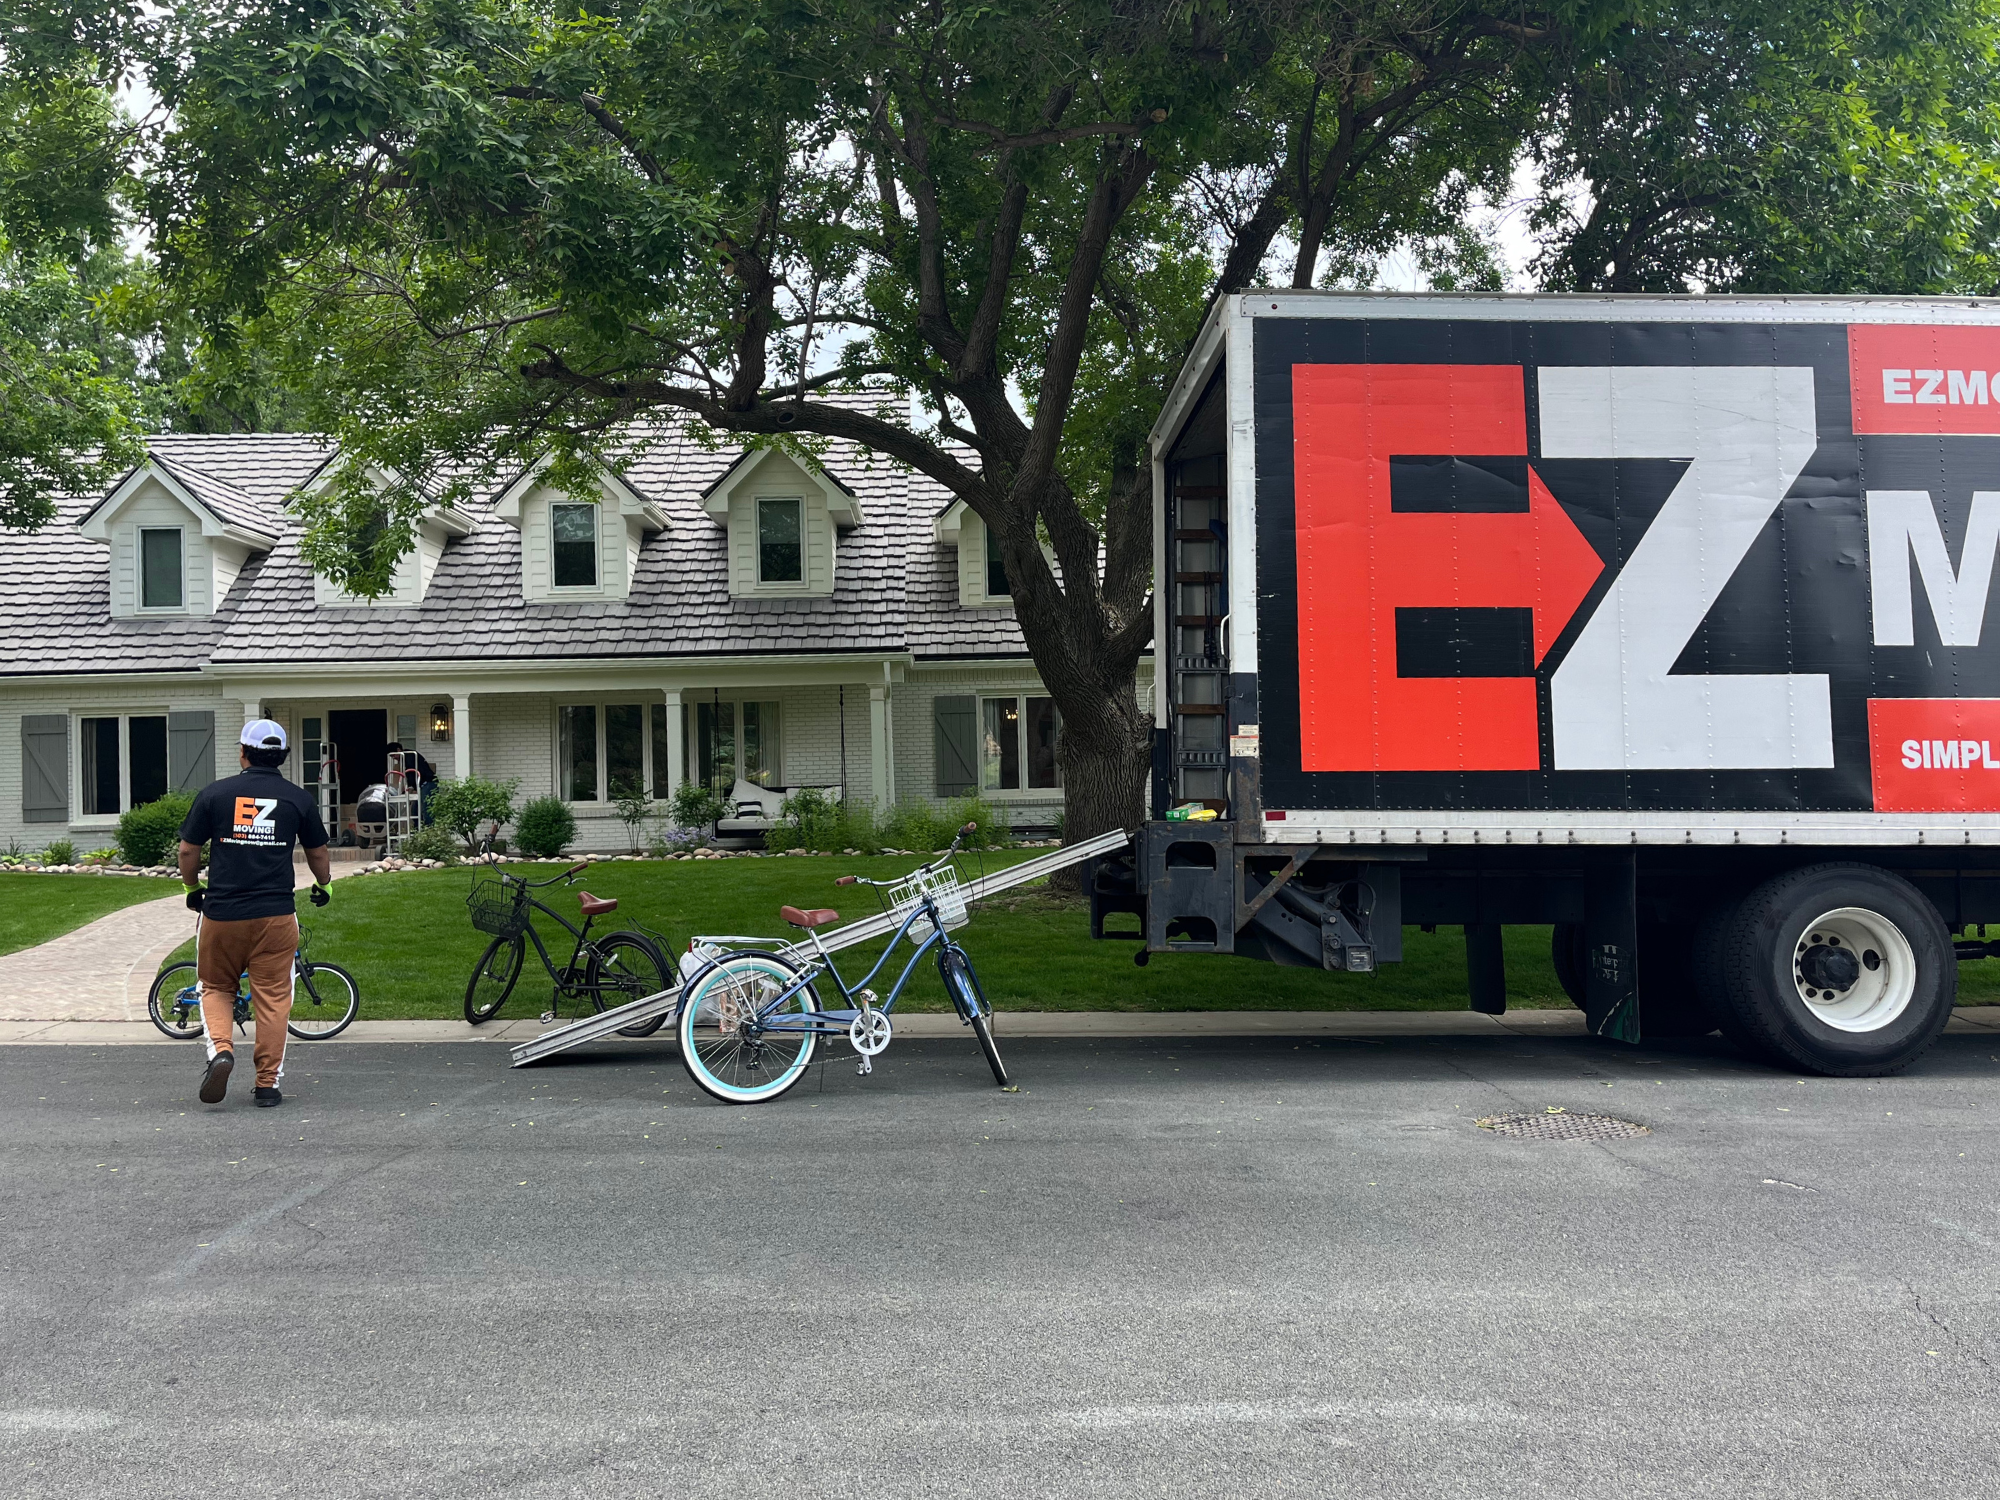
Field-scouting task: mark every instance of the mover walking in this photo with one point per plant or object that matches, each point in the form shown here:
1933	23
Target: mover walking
249	922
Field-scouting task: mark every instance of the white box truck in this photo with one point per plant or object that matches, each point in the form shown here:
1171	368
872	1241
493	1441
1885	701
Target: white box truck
1662	620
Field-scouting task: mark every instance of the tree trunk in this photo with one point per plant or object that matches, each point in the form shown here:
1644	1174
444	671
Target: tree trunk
1105	753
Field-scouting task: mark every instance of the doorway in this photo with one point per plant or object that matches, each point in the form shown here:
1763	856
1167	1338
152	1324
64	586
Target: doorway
362	737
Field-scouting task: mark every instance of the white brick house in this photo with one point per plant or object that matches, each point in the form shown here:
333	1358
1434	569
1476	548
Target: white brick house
711	613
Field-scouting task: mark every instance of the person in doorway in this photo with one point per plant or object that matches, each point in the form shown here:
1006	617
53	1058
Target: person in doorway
249	920
425	780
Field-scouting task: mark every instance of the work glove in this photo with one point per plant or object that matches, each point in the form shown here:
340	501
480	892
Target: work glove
195	895
321	895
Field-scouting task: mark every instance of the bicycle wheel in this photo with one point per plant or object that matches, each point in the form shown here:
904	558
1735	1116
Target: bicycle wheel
324	1001
493	980
628	967
971	1002
722	1052
174	1001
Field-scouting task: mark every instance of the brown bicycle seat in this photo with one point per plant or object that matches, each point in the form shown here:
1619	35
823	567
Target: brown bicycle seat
818	918
596	906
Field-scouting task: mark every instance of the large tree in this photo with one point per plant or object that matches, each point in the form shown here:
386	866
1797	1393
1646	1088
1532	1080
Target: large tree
509	228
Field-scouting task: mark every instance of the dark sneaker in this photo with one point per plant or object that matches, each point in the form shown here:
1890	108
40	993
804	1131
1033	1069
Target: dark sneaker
215	1082
269	1098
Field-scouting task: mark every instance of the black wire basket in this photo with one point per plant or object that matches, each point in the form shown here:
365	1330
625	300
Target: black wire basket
499	907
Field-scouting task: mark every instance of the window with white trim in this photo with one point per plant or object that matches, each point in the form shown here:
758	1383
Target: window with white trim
573	546
162	576
728	739
602	751
121	762
781	541
1017	744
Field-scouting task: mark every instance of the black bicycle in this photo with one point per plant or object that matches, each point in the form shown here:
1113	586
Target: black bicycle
611	970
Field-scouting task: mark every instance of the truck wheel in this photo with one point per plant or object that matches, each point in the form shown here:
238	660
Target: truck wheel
1841	969
1669	1004
1709	933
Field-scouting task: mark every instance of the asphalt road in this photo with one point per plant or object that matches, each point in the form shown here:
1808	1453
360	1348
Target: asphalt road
1245	1267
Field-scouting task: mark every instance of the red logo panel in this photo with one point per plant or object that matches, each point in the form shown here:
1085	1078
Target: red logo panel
1921	379
1359	562
1935	754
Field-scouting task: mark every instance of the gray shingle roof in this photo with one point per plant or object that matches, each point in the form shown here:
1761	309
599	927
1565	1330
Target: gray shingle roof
895	585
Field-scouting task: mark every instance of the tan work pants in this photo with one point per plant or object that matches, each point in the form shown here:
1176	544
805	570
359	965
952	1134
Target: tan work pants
262	947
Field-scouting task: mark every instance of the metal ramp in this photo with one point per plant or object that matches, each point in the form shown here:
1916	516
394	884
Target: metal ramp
882	924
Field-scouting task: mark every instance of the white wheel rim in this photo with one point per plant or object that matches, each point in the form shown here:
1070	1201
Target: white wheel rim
1885	980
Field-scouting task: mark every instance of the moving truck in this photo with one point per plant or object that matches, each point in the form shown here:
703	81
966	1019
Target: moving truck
1662	620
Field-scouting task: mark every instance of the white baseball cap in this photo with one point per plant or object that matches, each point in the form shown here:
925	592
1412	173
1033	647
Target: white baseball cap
263	734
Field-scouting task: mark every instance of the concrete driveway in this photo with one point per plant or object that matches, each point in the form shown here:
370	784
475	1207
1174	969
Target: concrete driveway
1187	1267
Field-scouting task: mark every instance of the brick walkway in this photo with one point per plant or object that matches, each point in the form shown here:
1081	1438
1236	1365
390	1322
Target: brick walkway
101	970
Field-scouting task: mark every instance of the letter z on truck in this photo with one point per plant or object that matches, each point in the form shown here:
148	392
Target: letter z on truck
1664	621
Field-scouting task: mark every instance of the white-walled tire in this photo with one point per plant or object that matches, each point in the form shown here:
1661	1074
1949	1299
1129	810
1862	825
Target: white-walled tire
733	1062
1842	969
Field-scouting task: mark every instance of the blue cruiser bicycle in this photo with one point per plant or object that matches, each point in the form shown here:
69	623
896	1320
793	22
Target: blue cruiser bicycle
751	1022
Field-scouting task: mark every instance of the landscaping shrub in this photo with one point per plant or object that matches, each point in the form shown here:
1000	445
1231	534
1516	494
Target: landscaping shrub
634	808
993	832
915	825
545	827
810	819
430	843
696	806
662	840
150	833
465	806
60	852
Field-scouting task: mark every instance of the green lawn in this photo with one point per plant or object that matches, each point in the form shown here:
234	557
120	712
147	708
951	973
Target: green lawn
408	941
35	908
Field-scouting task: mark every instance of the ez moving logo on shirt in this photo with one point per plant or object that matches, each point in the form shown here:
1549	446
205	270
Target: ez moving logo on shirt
255	821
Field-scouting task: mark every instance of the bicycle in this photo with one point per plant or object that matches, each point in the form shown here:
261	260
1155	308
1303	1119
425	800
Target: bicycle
750	1021
612	970
331	999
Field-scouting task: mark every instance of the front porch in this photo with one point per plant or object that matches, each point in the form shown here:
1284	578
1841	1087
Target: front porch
591	734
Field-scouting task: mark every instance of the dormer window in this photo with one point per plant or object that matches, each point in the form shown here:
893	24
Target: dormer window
997	586
784	520
780	549
573	544
162	578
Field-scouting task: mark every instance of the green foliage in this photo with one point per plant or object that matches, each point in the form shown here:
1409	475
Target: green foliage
634	808
60	852
150	833
430	843
469	804
810	819
545	827
696	806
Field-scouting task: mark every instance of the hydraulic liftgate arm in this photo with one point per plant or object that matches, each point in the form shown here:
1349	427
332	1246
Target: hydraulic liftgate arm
606	1023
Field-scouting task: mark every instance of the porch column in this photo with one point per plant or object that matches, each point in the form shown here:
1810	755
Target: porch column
461	735
878	744
676	751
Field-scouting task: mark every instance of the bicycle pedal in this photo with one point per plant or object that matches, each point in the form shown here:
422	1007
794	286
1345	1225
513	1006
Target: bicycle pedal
548	1018
867	1067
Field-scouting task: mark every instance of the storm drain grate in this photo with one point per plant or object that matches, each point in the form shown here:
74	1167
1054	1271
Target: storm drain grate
1561	1125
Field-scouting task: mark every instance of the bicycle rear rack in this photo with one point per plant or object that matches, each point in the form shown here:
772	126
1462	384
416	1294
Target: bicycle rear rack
608	1023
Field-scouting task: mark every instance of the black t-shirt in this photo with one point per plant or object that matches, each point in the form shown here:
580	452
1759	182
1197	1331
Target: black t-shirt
250	822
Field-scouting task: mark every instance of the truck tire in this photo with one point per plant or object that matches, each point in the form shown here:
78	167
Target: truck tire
1709	932
1841	969
1669	1002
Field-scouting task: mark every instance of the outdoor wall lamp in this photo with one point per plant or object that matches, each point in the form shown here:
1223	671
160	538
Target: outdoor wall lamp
440	723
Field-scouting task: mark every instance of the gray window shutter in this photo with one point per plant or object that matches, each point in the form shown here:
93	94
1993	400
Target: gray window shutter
957	723
45	768
190	750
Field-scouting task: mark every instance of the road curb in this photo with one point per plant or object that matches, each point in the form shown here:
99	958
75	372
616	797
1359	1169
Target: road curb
1984	1019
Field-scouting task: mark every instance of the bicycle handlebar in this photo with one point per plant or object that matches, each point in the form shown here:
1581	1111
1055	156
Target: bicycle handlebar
964	833
535	885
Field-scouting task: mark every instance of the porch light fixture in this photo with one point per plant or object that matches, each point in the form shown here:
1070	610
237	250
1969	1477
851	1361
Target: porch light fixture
440	723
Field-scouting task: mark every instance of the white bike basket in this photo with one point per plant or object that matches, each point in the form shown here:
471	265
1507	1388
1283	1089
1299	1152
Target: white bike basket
944	889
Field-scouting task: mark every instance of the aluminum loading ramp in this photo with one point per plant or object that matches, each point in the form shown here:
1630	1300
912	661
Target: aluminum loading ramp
882	924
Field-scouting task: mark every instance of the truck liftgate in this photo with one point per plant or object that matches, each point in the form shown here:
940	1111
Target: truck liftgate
608	1023
1658	621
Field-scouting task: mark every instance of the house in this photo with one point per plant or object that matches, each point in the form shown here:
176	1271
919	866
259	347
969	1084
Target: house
711	613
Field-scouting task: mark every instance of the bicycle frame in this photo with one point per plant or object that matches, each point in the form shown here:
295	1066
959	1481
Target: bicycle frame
835	1023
